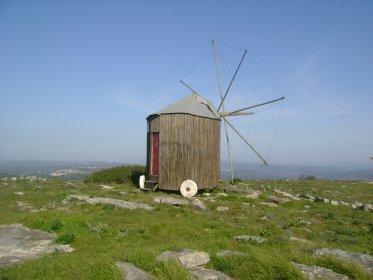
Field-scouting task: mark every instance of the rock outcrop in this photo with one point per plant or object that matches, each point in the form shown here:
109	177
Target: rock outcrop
365	261
317	272
111	201
19	244
131	272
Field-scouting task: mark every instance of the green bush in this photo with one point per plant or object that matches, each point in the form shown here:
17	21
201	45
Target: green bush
119	175
66	238
56	225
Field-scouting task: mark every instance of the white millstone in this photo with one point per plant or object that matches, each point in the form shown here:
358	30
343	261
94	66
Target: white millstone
188	188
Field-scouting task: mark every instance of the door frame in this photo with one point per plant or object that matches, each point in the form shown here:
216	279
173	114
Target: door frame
154	153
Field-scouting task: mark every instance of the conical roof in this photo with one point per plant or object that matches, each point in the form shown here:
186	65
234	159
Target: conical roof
192	104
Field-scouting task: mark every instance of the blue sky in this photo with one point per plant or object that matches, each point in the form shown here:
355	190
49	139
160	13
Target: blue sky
79	78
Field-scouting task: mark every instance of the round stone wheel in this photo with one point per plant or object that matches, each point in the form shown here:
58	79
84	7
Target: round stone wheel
142	182
188	188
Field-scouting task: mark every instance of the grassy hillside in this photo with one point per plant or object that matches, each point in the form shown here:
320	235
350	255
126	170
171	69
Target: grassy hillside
119	175
102	234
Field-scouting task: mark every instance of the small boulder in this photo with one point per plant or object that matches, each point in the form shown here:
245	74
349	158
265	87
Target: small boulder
75	197
366	261
111	201
270	204
25	206
253	194
209	274
198	204
277	200
366	207
221	194
171	200
322	200
300	240
307	196
227	253
106	187
19	193
288	195
131	272
186	257
317	272
119	203
250	238
344	203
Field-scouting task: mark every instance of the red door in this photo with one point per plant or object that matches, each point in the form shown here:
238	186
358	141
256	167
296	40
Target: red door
155	152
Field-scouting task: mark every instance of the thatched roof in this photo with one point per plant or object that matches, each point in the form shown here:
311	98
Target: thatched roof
192	104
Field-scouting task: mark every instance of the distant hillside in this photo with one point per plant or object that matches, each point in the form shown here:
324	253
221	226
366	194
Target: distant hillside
57	169
80	170
256	171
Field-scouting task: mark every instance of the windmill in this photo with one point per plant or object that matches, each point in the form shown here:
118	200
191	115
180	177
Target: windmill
183	141
239	112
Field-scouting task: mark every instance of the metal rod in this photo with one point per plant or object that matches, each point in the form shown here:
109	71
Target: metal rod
261	104
243	138
185	84
225	125
234	76
229	114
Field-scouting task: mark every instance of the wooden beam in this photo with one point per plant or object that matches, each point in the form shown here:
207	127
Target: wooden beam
229	114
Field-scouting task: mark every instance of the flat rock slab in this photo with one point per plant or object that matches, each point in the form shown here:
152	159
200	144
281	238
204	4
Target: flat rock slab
25	206
106	187
186	257
131	272
317	272
365	261
270	204
222	208
171	200
250	238
75	197
111	201
119	203
228	253
19	244
277	200
209	274
253	194
198	204
288	195
300	240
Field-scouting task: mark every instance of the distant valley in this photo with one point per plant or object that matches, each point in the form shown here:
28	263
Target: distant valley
79	170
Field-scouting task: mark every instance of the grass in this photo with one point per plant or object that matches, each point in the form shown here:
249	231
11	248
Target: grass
103	235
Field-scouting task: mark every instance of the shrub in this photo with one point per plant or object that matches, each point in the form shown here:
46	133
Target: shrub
237	180
56	225
119	175
66	238
308	178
